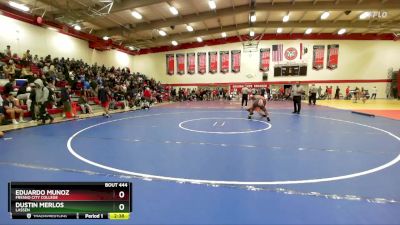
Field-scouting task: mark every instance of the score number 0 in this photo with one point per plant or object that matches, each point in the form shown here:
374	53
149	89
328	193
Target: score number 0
121	194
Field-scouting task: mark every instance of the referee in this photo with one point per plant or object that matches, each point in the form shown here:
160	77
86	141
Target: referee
297	91
245	93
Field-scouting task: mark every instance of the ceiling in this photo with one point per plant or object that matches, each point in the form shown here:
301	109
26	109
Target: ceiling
98	17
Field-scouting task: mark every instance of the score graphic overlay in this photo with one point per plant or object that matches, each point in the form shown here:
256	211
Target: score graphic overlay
70	200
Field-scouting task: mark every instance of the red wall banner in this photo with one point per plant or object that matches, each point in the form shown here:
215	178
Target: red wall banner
318	57
224	59
333	57
235	61
213	62
264	59
191	63
170	64
180	63
201	62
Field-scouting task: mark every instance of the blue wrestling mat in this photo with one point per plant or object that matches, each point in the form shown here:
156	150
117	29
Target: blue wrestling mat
194	164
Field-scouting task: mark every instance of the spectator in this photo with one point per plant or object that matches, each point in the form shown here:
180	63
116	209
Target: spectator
319	92
1	110
23	92
16	58
27	57
10	108
42	99
313	94
35	59
357	93
9	87
104	97
281	93
9	69
348	96
173	94
337	92
26	73
330	92
84	104
31	103
374	92
65	99
147	95
363	95
7	52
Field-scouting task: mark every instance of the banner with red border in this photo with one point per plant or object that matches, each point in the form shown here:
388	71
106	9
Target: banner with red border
235	60
201	62
191	63
170	61
213	62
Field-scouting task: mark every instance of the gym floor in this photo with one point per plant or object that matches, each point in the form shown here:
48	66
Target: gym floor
205	163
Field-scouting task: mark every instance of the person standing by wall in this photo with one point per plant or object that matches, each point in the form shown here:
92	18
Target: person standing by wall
348	96
374	92
330	91
337	92
319	92
297	91
245	95
313	94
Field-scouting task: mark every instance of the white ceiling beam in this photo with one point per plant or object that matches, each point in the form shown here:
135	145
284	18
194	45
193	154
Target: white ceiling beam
130	4
302	16
337	17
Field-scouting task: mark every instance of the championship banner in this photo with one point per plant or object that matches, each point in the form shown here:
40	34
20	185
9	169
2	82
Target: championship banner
318	57
201	62
224	58
333	57
264	59
180	63
191	64
213	62
235	61
170	64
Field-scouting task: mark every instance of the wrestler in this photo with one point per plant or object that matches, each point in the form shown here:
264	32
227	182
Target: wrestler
259	103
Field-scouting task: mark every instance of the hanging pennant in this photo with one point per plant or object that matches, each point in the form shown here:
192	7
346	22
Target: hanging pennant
318	57
224	58
333	57
201	63
170	64
191	63
213	62
235	60
264	59
180	63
